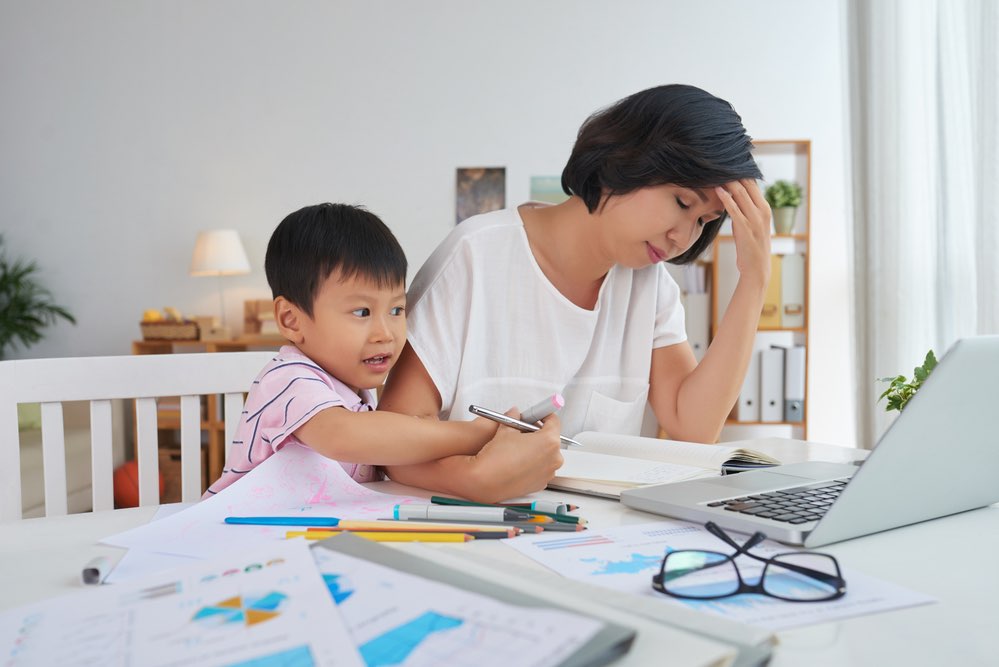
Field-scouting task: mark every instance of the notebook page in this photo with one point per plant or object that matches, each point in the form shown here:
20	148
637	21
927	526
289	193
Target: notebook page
669	451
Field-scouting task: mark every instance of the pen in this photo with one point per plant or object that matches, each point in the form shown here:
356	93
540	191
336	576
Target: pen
557	516
307	521
383	536
543	408
542	506
467	514
94	572
522	426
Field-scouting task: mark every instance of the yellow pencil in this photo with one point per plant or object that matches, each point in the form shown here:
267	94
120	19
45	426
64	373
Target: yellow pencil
386	536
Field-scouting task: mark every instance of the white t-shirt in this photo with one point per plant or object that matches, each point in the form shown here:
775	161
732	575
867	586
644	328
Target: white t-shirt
492	330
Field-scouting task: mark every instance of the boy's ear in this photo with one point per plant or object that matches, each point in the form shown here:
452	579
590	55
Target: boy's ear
290	319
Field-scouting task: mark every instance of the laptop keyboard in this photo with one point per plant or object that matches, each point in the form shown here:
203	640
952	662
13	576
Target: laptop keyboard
800	504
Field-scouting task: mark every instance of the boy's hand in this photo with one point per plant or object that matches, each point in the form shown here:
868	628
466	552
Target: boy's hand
514	464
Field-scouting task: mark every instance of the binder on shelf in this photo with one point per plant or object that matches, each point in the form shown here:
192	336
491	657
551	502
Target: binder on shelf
770	314
794	383
772	384
792	281
747	408
698	314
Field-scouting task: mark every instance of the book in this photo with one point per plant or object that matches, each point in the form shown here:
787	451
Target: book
611	462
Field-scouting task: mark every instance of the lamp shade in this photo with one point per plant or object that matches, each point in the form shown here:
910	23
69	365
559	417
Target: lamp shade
219	252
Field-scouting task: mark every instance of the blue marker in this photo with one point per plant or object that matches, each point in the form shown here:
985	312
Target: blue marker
316	521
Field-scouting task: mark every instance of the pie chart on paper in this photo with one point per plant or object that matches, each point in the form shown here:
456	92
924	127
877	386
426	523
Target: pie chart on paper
242	609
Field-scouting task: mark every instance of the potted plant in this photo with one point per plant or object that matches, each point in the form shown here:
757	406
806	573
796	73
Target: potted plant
900	390
26	307
784	198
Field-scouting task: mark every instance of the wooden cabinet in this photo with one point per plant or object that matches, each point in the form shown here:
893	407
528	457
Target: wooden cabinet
212	426
785	315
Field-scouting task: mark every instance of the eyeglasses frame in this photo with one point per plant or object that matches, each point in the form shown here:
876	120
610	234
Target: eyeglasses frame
837	582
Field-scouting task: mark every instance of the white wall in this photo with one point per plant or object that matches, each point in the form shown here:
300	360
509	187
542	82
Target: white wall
128	126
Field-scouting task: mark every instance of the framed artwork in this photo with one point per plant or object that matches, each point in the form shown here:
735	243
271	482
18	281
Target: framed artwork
479	190
547	189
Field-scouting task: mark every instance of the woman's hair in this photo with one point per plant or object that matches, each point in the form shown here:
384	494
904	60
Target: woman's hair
313	242
675	134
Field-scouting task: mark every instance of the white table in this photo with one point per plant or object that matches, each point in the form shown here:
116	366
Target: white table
952	559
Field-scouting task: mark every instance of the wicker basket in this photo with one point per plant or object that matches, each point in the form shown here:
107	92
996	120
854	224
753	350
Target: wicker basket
169	330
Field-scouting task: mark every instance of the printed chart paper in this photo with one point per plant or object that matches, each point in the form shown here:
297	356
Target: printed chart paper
296	481
266	607
396	618
626	557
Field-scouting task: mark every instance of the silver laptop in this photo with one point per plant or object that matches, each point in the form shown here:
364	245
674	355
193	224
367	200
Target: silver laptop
939	457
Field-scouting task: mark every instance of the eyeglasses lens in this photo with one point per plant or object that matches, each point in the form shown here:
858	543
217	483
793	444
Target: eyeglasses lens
801	576
699	574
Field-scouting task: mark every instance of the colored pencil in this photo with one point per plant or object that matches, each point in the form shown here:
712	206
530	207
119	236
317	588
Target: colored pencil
404	527
329	521
387	536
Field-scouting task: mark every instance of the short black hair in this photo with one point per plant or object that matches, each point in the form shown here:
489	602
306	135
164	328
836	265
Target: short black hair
313	242
675	134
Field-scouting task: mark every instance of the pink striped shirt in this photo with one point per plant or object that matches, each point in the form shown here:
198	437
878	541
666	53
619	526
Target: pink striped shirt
287	393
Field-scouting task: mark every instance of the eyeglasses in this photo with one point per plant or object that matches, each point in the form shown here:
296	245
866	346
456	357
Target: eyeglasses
797	576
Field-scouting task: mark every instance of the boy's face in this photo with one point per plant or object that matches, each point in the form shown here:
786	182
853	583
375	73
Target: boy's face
357	330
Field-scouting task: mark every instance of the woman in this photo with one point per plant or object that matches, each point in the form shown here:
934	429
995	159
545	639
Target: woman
574	298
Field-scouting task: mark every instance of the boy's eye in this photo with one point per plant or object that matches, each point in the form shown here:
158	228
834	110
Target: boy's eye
680	203
398	310
361	312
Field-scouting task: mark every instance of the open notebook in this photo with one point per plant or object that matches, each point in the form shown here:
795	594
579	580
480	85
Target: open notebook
611	462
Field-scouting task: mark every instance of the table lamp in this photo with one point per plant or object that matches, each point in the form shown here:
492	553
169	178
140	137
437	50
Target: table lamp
219	252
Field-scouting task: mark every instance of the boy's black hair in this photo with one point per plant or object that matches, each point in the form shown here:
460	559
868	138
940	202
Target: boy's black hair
315	241
675	134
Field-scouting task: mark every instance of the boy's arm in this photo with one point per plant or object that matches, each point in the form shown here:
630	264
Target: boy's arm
512	463
387	438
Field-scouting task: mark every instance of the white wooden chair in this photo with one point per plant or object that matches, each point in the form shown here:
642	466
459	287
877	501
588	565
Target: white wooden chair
101	380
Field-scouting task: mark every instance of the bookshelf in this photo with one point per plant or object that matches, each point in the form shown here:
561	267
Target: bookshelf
785	316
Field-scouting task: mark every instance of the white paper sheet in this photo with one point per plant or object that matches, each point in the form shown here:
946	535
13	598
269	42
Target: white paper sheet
626	557
401	619
266	607
295	481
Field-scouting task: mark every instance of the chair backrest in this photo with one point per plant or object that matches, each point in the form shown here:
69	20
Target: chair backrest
101	380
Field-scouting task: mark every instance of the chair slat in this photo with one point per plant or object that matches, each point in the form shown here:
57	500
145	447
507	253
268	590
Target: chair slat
54	460
190	448
147	451
10	454
233	406
101	455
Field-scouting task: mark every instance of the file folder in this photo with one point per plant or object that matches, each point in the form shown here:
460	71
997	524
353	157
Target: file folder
770	314
792	279
697	312
772	384
794	384
747	408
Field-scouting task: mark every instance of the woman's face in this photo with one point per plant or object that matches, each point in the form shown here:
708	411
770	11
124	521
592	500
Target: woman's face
656	223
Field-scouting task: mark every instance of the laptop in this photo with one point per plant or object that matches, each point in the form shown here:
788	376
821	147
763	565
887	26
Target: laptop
939	457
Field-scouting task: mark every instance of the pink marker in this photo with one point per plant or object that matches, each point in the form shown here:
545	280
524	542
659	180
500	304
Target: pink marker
536	413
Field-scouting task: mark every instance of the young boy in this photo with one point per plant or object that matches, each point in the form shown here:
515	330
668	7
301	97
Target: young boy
338	276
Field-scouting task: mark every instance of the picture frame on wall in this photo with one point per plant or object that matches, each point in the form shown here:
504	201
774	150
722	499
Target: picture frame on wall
479	190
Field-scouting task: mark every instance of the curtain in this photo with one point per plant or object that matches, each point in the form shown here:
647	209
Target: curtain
925	158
